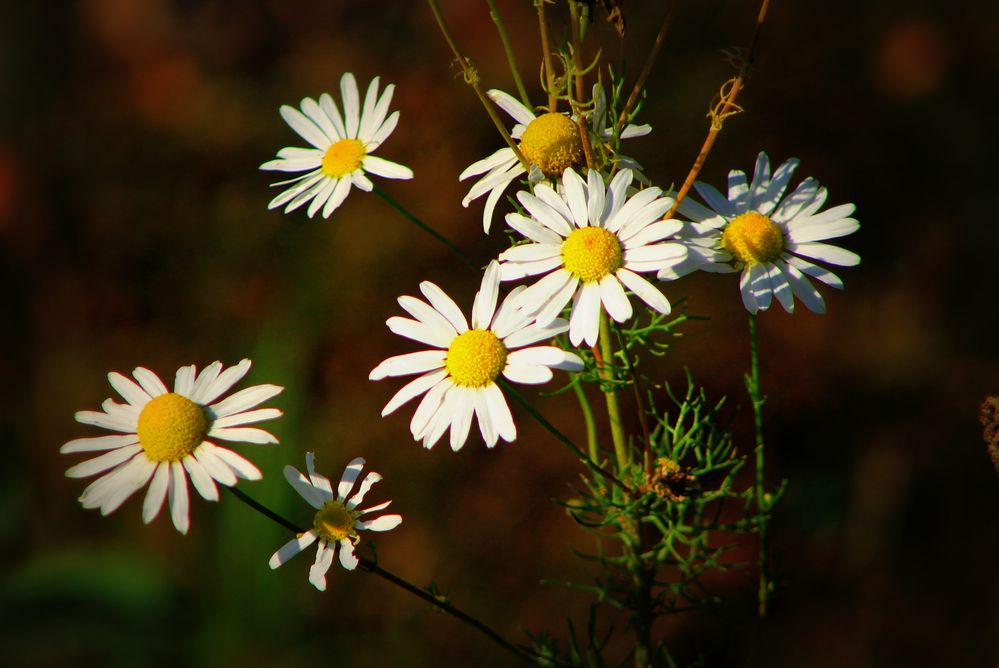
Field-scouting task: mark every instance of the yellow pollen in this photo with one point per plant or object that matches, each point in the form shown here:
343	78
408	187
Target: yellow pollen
753	238
343	157
551	141
475	358
334	522
171	427
590	253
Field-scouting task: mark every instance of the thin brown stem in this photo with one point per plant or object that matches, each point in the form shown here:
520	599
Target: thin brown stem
646	70
578	71
724	108
549	73
472	79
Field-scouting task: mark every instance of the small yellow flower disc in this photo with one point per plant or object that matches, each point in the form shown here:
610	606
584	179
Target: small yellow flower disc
551	141
590	253
475	358
343	157
171	427
334	522
753	238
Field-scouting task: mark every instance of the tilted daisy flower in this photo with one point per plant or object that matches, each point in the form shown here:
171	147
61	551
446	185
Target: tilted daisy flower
459	374
337	519
164	436
591	242
772	239
549	142
342	148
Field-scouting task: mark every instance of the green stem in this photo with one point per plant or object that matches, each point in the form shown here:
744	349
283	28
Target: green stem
426	228
472	79
549	74
510	58
591	426
372	567
762	500
613	407
562	438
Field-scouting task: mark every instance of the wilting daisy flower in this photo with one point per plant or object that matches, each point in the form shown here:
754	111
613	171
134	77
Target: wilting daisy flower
592	243
337	518
768	238
163	438
459	375
342	148
549	142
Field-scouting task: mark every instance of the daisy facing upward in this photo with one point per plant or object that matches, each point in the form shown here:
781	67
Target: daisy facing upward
163	438
591	242
458	376
342	148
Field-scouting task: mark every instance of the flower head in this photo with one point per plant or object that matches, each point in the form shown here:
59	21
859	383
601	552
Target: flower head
164	436
767	236
592	242
550	142
342	148
459	375
337	519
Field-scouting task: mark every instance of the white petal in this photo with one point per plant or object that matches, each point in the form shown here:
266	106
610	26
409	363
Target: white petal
149	381
98	443
104	462
532	229
183	383
332	112
156	494
503	157
177	494
130	478
207	455
410	363
546	194
617	194
358	497
584	323
244	400
715	200
237	465
575	196
351	104
324	559
463	411
304	487
803	289
428	407
534	333
613	298
527	374
644	290
632	206
826	253
438	337
306	129
225	381
350	474
319	482
545	214
386	168
512	106
315	114
445	306
413	389
247	417
292	548
815	271
486	426
243	435
383	132
383	523
781	288
432	316
484	305
499	411
767	201
132	393
105	421
200	479
550	309
347	558
368	110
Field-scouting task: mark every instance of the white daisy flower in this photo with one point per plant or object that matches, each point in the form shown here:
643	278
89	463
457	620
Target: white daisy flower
459	374
342	148
549	142
766	237
163	438
592	243
337	518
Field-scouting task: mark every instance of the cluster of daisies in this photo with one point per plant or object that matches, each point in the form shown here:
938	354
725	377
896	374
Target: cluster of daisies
590	238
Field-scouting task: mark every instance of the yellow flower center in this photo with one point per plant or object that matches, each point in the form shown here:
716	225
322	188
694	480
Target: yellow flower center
753	238
551	141
590	253
171	427
343	157
475	358
334	522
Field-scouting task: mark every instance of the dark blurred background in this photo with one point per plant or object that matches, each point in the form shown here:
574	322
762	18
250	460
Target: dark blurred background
134	230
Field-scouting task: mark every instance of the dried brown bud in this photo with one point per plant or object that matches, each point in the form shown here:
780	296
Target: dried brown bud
989	417
668	481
